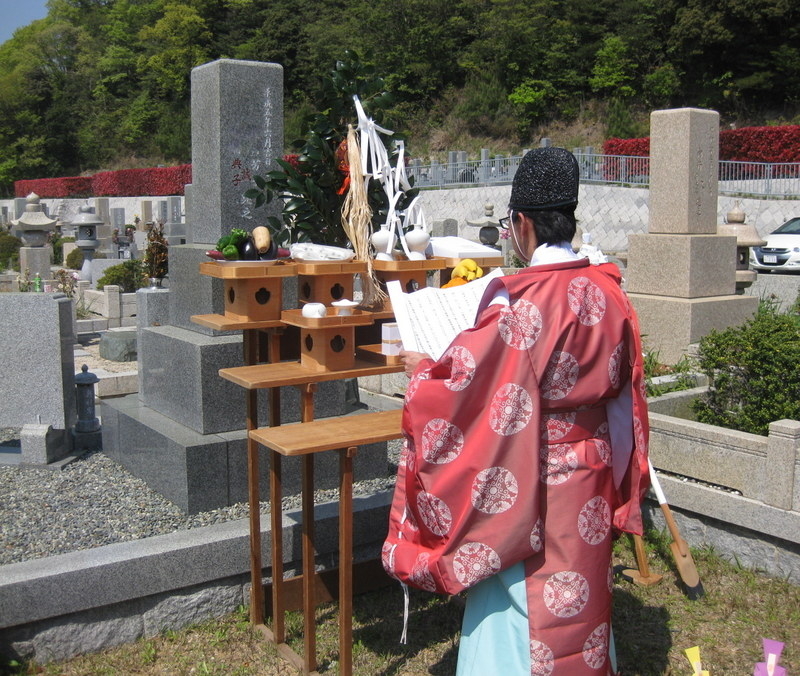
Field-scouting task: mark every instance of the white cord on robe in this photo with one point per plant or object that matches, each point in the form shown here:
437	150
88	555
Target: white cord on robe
404	635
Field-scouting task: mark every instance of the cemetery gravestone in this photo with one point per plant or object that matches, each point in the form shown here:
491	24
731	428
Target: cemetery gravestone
681	275
184	432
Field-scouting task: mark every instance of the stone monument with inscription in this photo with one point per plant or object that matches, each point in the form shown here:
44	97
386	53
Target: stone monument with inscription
681	275
184	432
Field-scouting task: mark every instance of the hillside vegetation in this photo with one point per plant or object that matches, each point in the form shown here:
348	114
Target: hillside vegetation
104	84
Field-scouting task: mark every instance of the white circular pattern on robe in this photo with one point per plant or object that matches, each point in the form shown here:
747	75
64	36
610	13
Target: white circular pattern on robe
462	368
510	410
442	442
420	575
566	593
560	375
474	562
594	520
595	649
602	442
542	659
557	464
413	384
586	300
615	366
536	536
520	324
556	426
435	513
494	490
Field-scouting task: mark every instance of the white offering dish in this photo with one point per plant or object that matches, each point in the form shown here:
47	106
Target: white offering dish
344	307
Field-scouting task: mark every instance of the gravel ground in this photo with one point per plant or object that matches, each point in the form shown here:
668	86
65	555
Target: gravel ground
94	501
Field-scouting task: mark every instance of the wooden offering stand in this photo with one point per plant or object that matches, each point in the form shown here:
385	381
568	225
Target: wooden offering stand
327	343
253	289
412	275
327	353
328	281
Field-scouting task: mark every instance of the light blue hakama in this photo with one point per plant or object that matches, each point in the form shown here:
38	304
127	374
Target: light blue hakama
494	632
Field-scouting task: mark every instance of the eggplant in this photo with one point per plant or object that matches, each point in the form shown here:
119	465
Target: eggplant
247	250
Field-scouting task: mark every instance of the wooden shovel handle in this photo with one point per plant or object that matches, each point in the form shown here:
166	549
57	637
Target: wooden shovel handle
673	530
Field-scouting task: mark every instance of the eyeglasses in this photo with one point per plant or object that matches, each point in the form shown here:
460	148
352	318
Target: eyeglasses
506	221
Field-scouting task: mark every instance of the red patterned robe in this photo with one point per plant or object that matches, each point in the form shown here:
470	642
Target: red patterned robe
508	457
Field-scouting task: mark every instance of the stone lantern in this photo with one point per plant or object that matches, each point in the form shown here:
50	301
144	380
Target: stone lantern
488	233
746	236
35	226
85	224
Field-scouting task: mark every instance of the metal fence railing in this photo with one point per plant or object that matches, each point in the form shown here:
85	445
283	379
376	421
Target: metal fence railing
756	179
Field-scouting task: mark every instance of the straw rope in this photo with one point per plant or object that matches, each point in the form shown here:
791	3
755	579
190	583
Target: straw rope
357	221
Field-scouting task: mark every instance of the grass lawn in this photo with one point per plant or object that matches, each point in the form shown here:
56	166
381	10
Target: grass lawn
652	625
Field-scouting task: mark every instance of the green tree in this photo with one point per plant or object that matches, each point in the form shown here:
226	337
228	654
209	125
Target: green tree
612	73
175	44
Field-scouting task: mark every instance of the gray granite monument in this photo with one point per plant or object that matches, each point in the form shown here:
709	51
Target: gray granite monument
37	374
681	275
184	432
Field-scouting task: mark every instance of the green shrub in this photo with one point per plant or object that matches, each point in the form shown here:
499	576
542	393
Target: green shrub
753	372
129	276
9	251
74	259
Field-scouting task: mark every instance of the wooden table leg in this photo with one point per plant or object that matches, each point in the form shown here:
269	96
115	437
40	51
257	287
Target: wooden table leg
276	516
309	554
309	573
346	560
250	345
274	393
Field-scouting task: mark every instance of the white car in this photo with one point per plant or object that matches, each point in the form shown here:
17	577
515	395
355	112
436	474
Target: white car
782	250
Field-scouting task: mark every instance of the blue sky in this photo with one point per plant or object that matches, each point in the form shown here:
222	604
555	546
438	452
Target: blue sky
16	13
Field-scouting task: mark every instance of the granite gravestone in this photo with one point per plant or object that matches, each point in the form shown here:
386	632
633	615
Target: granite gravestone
681	275
184	433
37	372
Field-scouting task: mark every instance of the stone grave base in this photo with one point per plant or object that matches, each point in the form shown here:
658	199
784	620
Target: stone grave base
199	472
671	324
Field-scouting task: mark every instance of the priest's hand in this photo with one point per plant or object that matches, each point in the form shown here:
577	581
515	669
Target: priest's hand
411	360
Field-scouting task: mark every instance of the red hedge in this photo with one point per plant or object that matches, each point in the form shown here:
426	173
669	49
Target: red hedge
748	144
68	186
157	181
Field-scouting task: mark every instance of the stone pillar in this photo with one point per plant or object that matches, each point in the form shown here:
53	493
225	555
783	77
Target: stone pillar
681	275
781	480
103	212
147	214
248	97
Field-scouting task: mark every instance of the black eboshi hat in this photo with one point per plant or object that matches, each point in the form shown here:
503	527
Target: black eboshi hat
547	178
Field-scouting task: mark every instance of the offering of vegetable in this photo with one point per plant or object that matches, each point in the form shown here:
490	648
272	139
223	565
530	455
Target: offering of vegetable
266	247
229	245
